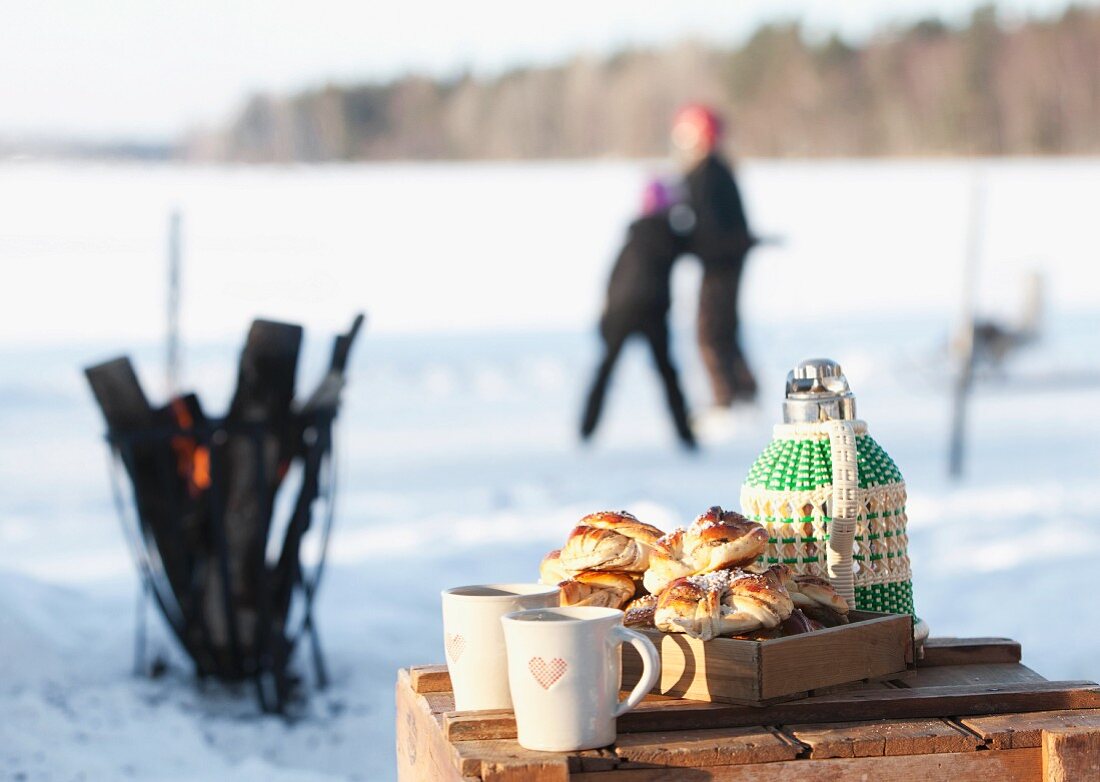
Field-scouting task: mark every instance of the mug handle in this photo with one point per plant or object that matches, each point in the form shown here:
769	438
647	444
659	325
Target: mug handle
651	667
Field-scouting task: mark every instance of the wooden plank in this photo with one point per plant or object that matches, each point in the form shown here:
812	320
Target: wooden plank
1013	731
474	757
593	760
848	706
703	748
531	770
439	702
873	704
980	673
479	725
876	684
848	653
887	737
1015	765
422	752
969	651
430	678
1071	755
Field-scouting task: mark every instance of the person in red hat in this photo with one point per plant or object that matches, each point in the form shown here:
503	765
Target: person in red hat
720	238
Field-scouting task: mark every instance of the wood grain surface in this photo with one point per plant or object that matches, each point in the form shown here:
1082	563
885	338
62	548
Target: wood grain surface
1014	765
1012	731
703	748
976	714
864	704
1071	755
887	737
968	651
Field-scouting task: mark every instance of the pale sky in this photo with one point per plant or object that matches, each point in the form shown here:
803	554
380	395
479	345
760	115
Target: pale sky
149	69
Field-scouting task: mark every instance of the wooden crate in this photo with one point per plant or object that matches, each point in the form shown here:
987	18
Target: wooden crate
730	670
968	711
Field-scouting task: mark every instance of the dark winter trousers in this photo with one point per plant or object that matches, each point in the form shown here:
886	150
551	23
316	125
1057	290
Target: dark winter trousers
718	335
615	332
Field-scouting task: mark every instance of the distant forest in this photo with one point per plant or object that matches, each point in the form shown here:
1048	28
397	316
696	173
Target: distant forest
929	89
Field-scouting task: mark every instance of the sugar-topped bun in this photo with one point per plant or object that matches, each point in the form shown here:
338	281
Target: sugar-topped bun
668	562
810	591
625	524
814	590
723	602
716	540
692	606
640	610
551	570
724	539
597	588
609	541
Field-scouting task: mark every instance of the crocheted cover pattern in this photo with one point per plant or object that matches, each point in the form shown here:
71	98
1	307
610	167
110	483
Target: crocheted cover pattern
788	490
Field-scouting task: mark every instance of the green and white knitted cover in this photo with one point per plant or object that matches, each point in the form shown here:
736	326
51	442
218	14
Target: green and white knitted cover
790	491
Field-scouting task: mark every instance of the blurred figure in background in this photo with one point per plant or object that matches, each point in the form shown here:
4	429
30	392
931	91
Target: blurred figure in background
638	302
720	238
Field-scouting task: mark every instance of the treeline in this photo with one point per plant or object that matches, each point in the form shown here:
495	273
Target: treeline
986	88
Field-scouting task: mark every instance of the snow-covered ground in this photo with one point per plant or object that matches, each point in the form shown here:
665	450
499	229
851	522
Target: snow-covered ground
459	462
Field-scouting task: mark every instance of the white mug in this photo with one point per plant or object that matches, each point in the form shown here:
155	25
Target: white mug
473	639
565	672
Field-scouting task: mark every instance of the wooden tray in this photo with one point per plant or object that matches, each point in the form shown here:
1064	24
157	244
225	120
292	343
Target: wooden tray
730	670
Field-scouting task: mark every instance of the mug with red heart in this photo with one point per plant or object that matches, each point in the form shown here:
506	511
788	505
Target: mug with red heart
474	640
565	672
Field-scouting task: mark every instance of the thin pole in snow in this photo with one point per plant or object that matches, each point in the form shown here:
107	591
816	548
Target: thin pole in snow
172	357
964	337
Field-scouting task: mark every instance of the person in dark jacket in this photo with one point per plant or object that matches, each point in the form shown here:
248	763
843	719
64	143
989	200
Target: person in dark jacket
638	302
721	239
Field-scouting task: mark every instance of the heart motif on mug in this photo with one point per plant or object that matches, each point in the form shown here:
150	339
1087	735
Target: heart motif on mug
546	673
456	645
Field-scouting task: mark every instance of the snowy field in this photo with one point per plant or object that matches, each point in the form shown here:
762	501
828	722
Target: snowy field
459	462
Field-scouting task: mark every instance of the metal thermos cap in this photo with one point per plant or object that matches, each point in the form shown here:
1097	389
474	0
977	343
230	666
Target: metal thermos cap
818	391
